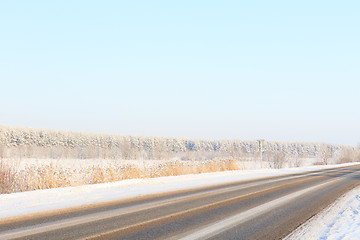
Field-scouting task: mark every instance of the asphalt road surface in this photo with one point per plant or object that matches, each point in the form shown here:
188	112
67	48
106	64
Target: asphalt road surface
267	208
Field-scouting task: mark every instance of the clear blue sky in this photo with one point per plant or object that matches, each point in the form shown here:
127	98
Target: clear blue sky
279	70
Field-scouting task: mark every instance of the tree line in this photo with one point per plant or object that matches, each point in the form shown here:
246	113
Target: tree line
18	142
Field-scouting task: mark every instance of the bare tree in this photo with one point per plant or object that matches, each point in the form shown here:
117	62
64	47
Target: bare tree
347	155
276	159
357	153
297	161
326	154
126	149
2	151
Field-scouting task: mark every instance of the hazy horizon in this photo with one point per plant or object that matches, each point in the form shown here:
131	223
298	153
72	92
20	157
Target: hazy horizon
278	71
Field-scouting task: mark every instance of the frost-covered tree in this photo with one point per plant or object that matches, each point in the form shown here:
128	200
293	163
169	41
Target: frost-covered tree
39	143
326	153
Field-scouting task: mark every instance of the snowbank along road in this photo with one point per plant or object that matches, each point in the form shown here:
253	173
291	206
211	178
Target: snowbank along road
267	208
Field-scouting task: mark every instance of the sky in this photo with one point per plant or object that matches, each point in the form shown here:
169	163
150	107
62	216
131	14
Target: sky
273	70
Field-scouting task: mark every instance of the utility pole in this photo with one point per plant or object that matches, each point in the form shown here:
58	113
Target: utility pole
261	142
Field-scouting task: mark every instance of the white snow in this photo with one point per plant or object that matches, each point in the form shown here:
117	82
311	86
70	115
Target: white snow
340	220
345	217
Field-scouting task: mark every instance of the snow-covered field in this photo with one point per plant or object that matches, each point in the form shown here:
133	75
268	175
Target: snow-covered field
24	163
29	174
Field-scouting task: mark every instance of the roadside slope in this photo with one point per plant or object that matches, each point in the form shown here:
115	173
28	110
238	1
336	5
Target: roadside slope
340	220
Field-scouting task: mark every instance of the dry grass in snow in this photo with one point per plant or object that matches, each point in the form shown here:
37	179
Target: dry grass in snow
34	177
7	177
